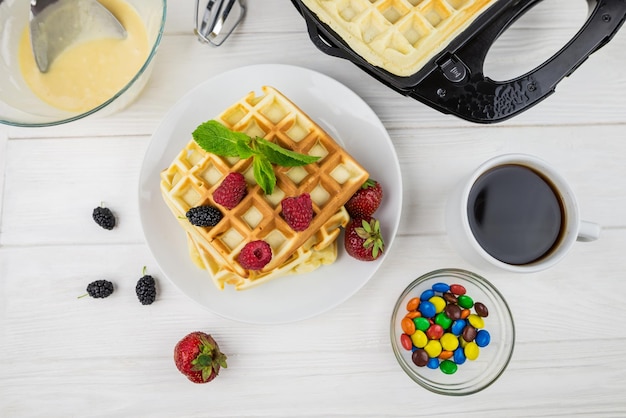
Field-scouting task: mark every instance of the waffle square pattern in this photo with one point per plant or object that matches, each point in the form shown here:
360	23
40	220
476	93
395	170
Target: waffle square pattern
194	174
399	36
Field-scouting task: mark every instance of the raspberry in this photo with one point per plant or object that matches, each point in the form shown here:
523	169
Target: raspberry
255	255
99	289
231	191
104	217
298	211
204	215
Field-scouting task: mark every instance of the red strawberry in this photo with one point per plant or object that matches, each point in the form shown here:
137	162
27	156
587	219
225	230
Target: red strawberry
198	357
255	255
231	191
366	200
298	211
363	239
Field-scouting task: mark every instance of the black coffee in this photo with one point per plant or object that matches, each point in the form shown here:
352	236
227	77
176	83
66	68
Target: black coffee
515	214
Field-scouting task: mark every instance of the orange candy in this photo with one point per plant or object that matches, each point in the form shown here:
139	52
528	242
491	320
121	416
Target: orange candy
413	304
413	314
465	313
408	326
446	355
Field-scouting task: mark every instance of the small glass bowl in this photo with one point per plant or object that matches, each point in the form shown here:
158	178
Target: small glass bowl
473	375
19	106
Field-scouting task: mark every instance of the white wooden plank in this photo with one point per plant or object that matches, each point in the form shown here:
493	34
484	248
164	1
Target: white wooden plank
3	164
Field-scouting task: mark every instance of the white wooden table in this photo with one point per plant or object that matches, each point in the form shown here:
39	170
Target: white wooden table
63	357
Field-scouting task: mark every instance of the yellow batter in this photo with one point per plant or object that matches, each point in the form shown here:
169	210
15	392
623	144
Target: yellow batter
86	75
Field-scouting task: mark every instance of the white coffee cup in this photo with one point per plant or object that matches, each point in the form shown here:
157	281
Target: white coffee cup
572	228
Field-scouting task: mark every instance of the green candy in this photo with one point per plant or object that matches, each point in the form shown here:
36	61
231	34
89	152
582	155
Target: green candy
448	367
443	320
421	323
465	301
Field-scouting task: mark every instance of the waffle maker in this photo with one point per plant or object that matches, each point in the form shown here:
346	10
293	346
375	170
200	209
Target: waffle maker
453	81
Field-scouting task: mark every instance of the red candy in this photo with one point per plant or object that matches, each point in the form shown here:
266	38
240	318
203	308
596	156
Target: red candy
434	332
457	289
406	342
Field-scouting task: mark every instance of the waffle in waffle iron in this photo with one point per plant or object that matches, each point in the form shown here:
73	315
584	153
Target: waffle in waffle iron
400	36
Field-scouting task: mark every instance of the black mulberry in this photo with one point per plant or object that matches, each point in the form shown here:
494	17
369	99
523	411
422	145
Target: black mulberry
99	289
104	217
204	215
146	289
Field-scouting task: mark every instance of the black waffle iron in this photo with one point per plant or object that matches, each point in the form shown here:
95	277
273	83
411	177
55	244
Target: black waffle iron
453	81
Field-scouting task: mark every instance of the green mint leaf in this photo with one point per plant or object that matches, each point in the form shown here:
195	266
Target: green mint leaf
281	156
245	151
264	173
217	139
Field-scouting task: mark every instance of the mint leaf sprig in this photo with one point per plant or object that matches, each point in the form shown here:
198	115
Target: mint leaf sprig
217	139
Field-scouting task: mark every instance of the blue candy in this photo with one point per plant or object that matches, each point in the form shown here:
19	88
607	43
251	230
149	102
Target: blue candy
427	294
427	309
459	356
441	287
457	326
482	338
433	363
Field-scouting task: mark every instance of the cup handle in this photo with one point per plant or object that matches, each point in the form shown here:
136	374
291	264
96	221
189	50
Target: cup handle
588	231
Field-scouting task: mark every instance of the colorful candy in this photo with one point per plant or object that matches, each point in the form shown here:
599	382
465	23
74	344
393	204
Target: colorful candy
483	338
427	309
413	304
419	339
444	327
448	367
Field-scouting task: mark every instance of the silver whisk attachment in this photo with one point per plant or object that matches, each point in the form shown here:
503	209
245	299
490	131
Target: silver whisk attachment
215	20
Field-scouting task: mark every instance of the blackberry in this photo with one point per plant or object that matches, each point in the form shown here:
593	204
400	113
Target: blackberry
146	289
99	289
204	215
104	217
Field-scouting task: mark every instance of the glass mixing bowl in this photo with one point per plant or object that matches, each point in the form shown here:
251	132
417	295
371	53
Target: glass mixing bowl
19	106
471	375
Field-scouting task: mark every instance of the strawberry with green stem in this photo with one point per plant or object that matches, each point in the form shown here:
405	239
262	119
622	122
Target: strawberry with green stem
198	357
363	239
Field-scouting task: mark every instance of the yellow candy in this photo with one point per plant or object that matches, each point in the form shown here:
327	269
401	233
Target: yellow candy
439	302
433	348
419	339
471	351
449	342
476	321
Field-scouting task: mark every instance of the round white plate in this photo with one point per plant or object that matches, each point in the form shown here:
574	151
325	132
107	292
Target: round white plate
339	111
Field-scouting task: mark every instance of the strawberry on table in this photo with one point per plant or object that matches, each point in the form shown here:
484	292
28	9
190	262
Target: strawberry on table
366	200
363	240
198	357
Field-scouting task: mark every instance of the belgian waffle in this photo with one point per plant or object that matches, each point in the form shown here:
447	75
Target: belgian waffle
399	36
194	174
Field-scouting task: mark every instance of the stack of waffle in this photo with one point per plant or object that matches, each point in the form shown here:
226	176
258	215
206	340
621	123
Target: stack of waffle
399	36
194	174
